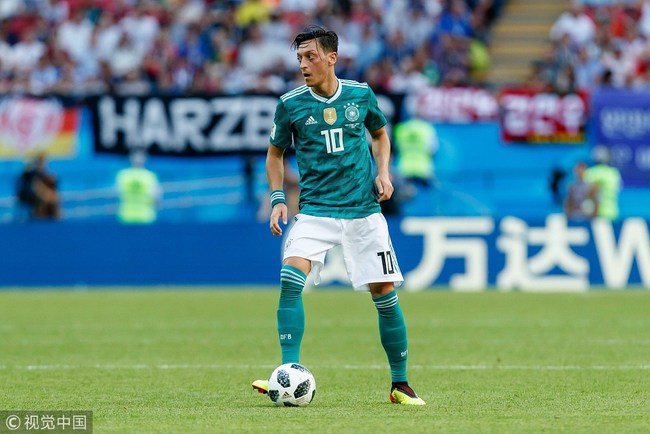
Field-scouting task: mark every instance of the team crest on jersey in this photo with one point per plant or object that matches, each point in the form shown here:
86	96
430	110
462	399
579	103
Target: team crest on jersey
351	111
329	114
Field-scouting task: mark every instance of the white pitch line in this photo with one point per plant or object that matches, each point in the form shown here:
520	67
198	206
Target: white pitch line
55	367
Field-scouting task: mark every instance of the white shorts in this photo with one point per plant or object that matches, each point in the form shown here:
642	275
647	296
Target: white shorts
367	251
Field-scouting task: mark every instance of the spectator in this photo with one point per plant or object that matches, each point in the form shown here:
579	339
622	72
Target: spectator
139	192
642	79
417	26
125	58
36	191
217	42
257	54
587	70
56	11
644	19
575	23
74	36
372	48
252	11
44	76
581	202
27	52
410	76
397	48
106	37
620	66
479	61
606	181
456	21
452	59
6	53
141	26
608	47
542	72
194	47
9	8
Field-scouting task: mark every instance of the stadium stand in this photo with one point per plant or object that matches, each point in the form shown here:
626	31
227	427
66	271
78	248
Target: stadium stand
94	46
519	37
80	48
597	43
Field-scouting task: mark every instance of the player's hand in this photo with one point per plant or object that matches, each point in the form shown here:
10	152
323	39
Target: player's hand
384	187
279	212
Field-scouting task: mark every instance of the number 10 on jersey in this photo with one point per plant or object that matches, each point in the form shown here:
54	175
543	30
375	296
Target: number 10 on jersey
333	139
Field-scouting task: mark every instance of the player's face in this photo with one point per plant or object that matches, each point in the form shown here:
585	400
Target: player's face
315	64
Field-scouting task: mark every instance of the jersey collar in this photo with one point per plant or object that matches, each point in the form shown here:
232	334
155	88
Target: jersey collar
327	100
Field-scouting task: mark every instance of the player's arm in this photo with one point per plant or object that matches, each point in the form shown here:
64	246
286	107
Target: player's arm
381	154
275	176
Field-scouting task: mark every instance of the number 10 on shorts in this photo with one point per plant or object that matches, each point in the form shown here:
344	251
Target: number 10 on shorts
387	262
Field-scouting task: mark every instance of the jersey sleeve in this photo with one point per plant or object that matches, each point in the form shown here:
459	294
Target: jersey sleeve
281	129
375	119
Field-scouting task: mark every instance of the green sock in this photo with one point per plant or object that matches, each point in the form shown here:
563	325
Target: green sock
392	331
291	313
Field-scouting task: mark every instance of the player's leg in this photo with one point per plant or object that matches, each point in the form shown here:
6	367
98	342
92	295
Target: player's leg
302	250
291	312
371	260
393	336
307	243
392	328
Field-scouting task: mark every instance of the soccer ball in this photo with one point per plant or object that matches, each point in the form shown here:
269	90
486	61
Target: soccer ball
291	385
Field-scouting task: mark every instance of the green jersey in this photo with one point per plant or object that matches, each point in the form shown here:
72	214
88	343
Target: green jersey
608	180
334	159
416	143
138	188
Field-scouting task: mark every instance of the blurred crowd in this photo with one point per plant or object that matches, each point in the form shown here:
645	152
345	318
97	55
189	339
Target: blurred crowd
81	47
597	43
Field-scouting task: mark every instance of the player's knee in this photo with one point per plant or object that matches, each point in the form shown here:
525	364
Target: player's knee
301	264
381	288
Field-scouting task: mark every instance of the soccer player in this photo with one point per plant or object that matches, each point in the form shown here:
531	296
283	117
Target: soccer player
326	121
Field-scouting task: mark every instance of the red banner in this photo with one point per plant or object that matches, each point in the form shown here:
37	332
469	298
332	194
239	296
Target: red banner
538	117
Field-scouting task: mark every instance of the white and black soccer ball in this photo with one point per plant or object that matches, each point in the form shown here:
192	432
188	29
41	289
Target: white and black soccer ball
292	385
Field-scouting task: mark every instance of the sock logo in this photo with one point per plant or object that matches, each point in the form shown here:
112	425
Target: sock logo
285	337
404	353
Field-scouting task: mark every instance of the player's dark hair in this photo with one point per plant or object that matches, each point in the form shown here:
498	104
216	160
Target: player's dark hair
325	38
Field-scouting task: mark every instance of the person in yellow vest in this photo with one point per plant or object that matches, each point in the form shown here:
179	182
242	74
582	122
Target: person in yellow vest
139	192
417	142
606	182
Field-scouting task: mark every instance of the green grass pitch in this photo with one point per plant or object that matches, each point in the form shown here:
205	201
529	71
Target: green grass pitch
181	361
